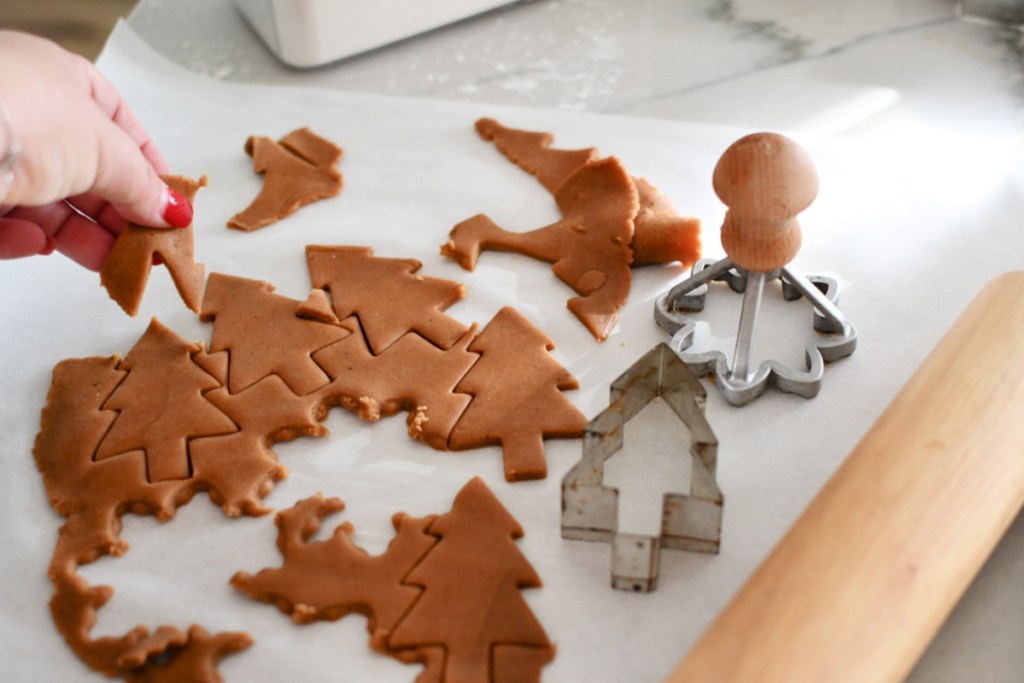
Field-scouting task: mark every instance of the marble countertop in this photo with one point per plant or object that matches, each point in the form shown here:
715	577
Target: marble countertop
912	71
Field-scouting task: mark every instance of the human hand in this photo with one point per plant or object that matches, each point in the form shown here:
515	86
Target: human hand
84	163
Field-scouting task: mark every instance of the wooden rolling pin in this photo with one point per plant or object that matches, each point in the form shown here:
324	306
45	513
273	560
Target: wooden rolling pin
866	576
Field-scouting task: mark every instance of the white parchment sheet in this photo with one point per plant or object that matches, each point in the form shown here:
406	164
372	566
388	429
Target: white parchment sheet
910	230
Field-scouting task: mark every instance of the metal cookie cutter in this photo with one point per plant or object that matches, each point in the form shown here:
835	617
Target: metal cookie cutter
740	384
690	521
765	179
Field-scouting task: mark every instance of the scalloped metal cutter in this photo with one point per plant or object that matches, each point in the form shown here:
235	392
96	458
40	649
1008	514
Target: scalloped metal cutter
765	179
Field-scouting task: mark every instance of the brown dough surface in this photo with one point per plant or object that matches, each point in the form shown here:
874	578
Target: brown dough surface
660	234
326	580
297	169
589	247
532	152
93	495
388	295
126	270
471	600
411	374
145	433
162	381
445	593
264	335
517	401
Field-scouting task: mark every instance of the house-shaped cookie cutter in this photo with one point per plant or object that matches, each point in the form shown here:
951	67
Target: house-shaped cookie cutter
692	521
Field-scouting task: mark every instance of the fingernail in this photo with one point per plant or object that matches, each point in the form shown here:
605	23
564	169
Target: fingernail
51	246
157	260
178	211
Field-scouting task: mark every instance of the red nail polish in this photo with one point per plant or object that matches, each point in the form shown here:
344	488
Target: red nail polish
51	246
178	211
157	260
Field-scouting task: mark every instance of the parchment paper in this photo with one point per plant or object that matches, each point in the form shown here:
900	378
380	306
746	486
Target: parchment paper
910	250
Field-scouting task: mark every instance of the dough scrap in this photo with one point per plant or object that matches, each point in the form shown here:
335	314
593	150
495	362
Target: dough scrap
109	444
326	580
126	270
517	401
588	247
93	495
445	593
660	234
298	169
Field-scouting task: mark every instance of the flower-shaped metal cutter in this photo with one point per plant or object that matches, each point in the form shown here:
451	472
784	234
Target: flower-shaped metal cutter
690	521
765	179
740	384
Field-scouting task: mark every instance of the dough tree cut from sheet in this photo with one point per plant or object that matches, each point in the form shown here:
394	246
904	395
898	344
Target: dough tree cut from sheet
388	295
161	406
264	335
326	580
660	233
471	603
517	394
297	169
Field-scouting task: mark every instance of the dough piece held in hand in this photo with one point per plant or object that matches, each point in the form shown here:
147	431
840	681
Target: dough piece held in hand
298	169
126	270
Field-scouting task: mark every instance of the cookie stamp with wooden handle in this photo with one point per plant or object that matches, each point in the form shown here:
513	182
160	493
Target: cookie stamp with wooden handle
864	579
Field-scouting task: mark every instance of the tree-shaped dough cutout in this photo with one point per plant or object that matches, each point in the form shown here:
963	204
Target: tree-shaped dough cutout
517	401
388	295
264	334
471	603
161	405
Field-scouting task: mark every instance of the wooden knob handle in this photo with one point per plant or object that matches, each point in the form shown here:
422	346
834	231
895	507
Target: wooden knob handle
765	179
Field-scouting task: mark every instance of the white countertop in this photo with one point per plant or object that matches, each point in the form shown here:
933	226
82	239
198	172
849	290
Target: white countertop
882	73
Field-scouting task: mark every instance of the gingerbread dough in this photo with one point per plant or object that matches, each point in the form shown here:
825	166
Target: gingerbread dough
126	270
445	593
589	247
660	234
298	169
326	580
146	433
517	396
162	381
471	600
411	374
388	295
264	335
92	495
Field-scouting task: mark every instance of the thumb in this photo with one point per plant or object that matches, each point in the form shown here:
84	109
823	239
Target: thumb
126	179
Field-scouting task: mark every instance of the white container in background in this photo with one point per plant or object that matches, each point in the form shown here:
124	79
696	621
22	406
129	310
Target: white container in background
305	33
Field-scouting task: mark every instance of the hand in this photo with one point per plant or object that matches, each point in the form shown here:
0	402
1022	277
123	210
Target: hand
85	163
